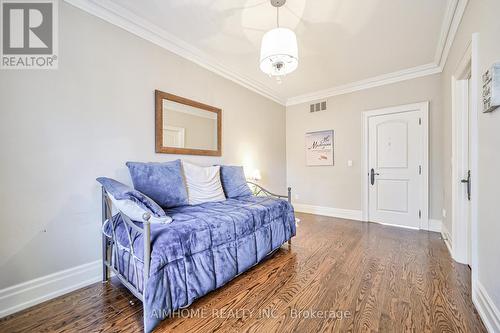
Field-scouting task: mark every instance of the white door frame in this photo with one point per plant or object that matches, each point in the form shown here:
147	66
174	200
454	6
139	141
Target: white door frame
474	132
181	134
460	106
458	227
424	179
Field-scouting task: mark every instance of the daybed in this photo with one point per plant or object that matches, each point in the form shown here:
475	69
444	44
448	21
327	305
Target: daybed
168	266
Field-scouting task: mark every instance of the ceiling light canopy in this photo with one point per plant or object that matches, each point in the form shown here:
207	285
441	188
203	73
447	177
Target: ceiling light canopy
278	51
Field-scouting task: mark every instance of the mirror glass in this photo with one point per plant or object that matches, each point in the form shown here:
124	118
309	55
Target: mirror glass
185	126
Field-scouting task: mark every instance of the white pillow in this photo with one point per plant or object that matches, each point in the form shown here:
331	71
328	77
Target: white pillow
203	183
135	212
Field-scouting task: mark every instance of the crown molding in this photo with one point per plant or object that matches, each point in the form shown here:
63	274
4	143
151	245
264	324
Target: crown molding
445	29
377	81
123	18
454	12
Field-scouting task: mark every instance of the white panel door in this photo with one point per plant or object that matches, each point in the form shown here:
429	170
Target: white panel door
394	155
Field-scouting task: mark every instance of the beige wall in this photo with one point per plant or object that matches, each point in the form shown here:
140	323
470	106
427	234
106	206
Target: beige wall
339	186
61	129
480	16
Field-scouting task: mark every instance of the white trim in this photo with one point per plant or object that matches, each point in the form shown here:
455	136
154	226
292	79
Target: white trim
364	168
423	107
348	214
125	19
356	215
453	16
474	133
487	310
181	135
27	294
445	234
464	69
377	81
434	225
445	29
396	225
460	83
482	301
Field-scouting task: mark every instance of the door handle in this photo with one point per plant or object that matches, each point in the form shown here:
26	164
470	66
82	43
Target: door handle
372	176
467	181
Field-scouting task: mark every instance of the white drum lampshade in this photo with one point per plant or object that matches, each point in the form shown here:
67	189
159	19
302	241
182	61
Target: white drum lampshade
278	52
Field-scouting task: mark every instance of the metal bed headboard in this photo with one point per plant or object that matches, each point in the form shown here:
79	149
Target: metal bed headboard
260	191
110	247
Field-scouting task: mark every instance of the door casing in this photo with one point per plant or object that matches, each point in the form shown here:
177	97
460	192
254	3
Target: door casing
424	179
460	82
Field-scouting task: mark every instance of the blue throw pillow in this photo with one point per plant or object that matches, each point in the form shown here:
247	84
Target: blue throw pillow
162	182
234	181
132	202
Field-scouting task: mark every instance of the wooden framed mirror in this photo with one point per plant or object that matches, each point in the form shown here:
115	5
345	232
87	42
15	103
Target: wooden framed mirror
186	127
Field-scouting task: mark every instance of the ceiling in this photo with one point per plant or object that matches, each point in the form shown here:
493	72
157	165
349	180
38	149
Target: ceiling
341	42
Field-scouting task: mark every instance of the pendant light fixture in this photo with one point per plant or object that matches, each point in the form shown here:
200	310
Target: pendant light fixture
278	50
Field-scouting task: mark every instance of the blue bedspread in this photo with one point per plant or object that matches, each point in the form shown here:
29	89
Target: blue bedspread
203	248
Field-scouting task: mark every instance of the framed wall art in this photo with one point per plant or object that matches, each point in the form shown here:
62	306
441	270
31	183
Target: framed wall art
319	148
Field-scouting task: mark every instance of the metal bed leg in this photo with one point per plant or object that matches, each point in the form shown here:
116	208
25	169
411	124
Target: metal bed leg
289	197
105	271
147	260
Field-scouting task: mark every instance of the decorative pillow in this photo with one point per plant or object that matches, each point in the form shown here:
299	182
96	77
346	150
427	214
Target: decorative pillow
234	181
132	202
162	182
203	183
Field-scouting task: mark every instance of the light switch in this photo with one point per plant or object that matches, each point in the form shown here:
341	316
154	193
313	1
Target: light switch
349	163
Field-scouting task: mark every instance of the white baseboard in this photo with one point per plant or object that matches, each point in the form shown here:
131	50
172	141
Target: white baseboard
351	214
26	294
434	225
445	234
329	211
486	308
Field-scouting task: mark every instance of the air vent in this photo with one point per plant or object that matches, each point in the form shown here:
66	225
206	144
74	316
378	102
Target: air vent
320	106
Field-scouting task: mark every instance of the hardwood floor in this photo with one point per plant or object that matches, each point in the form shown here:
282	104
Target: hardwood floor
343	276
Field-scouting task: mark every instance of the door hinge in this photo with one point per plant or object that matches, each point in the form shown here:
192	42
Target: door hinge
419	169
419	214
420	121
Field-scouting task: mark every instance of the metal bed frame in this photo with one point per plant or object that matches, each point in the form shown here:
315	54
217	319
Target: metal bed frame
110	247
